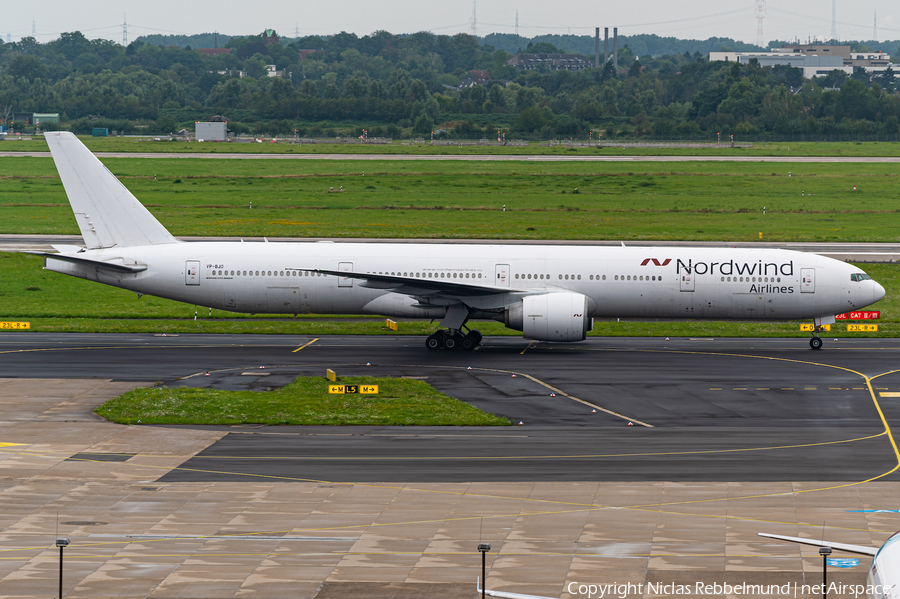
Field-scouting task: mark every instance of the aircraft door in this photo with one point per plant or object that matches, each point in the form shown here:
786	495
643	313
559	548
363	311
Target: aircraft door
501	275
345	281
192	272
687	282
807	280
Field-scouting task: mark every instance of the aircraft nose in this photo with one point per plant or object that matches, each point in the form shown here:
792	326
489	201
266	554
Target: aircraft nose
877	292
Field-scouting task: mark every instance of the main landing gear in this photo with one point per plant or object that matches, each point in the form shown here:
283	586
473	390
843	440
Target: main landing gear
453	339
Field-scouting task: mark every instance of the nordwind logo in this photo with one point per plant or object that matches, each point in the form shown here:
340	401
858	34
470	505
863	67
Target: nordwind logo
656	262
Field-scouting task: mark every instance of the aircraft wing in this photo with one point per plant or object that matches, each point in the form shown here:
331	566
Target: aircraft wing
421	287
507	595
860	549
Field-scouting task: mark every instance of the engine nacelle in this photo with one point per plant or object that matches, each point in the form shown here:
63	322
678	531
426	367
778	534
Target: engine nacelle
551	317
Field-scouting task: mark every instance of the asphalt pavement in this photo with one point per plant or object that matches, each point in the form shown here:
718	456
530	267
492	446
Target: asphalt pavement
604	409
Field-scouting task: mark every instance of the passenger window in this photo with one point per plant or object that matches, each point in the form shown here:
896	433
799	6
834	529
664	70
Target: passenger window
604	277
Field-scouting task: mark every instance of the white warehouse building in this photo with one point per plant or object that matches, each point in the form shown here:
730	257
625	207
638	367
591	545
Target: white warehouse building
210	131
813	59
811	65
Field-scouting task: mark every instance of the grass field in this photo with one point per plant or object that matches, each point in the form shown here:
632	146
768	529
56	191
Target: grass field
58	303
400	402
637	201
792	148
404	199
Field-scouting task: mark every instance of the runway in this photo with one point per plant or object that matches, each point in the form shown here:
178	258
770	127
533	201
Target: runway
480	157
851	252
701	410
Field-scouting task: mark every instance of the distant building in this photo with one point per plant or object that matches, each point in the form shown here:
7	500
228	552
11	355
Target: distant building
272	71
214	51
869	60
49	119
475	78
812	65
553	62
23	118
217	131
813	59
269	37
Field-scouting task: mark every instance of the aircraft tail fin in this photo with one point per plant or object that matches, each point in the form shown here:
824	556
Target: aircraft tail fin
107	213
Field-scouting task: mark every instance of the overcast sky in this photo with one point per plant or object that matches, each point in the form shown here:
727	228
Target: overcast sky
680	18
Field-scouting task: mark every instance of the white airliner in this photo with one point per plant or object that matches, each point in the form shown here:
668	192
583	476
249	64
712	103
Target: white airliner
551	293
883	580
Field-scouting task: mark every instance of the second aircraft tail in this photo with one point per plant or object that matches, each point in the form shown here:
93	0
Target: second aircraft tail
107	213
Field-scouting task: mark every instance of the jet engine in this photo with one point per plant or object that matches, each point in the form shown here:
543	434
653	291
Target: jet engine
551	317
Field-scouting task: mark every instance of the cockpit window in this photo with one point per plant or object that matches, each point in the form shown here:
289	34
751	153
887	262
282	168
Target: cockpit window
860	277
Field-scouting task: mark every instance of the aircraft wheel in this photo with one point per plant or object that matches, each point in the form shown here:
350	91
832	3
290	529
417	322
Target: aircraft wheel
815	343
451	342
467	343
433	342
476	337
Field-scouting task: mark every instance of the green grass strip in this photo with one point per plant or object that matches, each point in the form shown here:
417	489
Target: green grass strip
400	402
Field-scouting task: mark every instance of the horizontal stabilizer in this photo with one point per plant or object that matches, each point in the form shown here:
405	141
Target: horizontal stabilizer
96	263
860	549
107	213
67	249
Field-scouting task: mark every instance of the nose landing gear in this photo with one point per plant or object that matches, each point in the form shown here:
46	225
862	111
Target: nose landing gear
453	339
816	341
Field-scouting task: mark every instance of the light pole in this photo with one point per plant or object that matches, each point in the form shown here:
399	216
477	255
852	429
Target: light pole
824	552
483	548
61	542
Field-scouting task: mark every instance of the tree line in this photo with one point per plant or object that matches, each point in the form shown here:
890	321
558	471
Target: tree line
408	85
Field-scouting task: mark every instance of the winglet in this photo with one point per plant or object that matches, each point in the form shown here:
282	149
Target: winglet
107	213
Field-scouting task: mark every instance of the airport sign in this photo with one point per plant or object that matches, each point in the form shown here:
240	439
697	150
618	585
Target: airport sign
873	315
354	389
811	327
862	328
15	326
